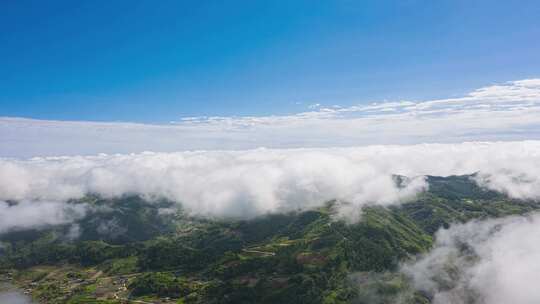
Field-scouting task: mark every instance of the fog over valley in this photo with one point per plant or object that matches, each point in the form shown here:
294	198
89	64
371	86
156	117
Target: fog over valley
255	182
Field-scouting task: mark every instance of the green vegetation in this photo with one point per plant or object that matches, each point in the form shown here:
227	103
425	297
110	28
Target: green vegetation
300	257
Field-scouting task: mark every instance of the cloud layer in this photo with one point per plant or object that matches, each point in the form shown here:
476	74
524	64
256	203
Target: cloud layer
254	182
241	184
508	111
494	261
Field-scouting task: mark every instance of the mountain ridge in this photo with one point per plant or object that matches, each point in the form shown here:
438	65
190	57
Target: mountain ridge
309	256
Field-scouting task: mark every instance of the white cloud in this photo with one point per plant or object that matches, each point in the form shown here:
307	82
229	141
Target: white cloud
494	261
35	215
242	183
253	182
508	111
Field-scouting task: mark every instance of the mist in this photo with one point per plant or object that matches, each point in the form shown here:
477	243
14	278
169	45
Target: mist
493	261
38	214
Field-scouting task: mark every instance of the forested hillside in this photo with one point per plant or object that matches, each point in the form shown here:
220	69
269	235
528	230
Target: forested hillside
130	248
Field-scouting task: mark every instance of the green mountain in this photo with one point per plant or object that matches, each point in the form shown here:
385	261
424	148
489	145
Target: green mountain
129	249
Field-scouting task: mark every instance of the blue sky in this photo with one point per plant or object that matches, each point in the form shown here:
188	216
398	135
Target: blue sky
154	62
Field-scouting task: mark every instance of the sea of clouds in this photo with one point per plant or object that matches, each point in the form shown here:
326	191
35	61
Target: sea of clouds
245	184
